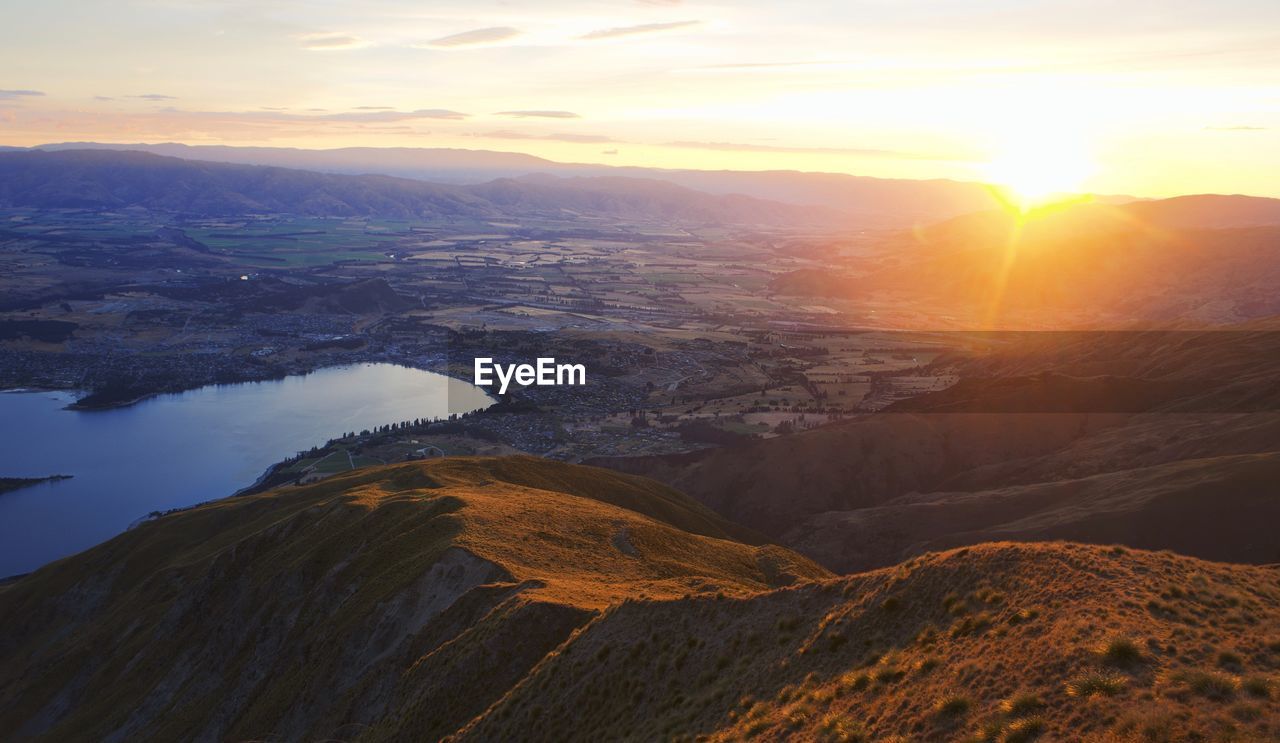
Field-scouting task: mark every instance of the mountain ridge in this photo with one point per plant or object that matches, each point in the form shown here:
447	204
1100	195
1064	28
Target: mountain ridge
502	598
109	179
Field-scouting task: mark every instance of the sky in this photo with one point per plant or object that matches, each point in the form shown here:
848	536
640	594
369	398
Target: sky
1144	97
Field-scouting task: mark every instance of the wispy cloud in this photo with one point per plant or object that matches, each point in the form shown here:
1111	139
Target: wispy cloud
9	94
539	114
644	28
474	37
155	97
769	65
330	42
372	117
1241	128
375	108
103	98
558	137
389	115
859	151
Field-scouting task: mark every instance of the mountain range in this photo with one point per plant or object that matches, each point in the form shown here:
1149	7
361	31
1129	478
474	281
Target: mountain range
877	202
108	179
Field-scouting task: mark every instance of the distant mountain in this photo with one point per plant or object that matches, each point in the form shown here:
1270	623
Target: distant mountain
522	599
115	180
110	179
874	202
439	164
1207	211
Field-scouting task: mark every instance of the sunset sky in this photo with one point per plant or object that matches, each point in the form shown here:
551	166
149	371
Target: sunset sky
1146	98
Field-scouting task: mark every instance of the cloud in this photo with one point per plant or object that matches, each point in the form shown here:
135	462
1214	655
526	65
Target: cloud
1235	128
609	152
473	37
375	108
372	117
330	42
769	65
644	28
103	98
558	137
7	94
539	114
863	152
155	97
391	115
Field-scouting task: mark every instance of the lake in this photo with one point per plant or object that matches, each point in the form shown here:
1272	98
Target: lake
180	449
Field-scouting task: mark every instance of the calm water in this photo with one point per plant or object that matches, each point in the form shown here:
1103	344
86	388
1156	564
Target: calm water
177	450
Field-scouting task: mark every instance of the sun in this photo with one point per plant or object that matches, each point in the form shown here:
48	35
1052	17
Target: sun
1032	169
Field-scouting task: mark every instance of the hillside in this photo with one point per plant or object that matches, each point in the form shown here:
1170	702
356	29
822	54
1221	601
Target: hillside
500	599
418	592
1001	642
1139	438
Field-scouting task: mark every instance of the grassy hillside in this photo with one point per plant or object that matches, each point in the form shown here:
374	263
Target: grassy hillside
516	598
418	592
1001	642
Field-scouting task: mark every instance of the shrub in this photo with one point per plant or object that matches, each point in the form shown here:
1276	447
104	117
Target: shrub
971	624
855	681
888	674
1228	659
1090	684
1024	730
1021	704
953	706
1258	686
838	729
1209	684
1121	651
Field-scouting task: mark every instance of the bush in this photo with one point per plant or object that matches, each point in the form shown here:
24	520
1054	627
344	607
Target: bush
1258	686
953	706
1209	684
838	729
1021	704
1090	684
1121	651
1024	730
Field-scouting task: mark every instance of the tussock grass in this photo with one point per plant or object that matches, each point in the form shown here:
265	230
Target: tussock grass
1096	684
1019	705
1228	659
1121	651
1213	685
1257	686
956	705
1024	730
